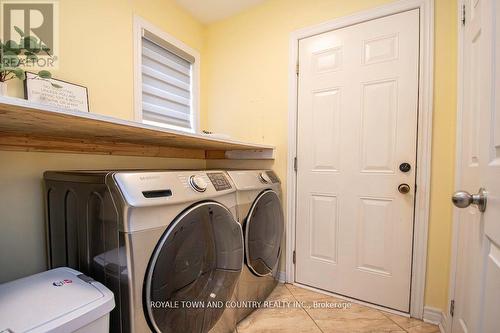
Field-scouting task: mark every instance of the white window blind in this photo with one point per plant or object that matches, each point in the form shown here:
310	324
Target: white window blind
166	83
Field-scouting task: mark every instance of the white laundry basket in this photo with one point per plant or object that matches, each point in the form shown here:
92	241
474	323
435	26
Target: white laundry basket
60	300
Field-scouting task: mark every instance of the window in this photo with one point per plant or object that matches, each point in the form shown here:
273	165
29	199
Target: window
166	83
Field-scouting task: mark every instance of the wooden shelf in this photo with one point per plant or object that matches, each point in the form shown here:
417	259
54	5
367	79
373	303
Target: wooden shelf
25	126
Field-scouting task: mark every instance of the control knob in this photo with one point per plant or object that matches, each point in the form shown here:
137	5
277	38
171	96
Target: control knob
265	178
198	183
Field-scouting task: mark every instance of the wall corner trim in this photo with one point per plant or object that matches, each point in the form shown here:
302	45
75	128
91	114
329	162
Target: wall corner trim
437	317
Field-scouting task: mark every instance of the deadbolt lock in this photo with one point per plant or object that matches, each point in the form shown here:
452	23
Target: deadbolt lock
404	188
405	167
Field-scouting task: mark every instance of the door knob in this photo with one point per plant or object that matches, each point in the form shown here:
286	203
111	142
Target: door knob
404	188
463	199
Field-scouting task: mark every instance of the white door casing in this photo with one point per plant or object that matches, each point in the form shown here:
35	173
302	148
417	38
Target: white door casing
357	121
477	255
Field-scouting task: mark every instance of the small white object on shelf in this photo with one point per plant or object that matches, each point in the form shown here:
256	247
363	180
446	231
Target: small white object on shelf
216	135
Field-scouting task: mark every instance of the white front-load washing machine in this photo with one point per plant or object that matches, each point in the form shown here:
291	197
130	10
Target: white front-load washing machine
165	242
259	210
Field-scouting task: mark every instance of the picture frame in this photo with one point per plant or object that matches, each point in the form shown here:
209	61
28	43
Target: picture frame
58	93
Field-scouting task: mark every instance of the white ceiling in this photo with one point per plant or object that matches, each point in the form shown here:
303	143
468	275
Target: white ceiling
208	11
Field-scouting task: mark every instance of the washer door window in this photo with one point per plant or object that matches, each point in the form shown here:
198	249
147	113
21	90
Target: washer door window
263	233
193	270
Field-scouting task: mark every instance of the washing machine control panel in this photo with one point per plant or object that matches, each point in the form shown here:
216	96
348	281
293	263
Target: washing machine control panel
219	180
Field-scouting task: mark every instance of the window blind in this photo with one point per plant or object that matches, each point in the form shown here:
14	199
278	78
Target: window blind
166	83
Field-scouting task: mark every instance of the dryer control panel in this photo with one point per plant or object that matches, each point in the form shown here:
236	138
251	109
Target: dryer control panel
219	180
246	180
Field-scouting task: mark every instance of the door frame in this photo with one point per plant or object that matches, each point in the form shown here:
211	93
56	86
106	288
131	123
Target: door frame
424	135
448	318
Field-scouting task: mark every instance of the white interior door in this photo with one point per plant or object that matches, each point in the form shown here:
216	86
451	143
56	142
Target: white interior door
357	123
477	280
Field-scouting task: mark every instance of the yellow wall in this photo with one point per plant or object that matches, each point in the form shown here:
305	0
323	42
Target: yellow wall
245	94
443	153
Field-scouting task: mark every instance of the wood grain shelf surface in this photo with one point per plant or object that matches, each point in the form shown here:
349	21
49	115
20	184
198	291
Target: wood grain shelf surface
25	126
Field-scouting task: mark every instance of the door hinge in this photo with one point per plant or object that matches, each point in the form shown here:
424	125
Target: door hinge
295	164
297	69
452	307
294	258
463	15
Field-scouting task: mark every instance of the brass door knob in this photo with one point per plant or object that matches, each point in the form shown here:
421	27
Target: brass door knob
404	188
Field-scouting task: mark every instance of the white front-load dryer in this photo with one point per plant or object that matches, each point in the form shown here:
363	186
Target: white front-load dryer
165	242
259	210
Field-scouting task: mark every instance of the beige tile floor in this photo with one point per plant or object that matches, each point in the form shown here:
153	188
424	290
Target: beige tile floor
308	317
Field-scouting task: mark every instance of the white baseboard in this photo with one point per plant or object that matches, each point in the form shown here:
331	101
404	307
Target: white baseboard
437	317
282	276
433	315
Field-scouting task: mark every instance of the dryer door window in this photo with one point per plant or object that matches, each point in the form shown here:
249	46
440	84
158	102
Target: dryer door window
264	229
193	270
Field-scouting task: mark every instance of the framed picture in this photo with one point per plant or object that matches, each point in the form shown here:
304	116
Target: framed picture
58	93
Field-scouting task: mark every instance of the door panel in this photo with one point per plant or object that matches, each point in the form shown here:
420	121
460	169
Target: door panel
378	126
357	121
324	225
380	49
477	280
326	119
375	235
492	285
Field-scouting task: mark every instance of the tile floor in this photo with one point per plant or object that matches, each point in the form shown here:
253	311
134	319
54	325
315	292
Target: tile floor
308	317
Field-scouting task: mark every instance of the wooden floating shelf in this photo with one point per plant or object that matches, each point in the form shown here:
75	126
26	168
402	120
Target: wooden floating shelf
25	126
